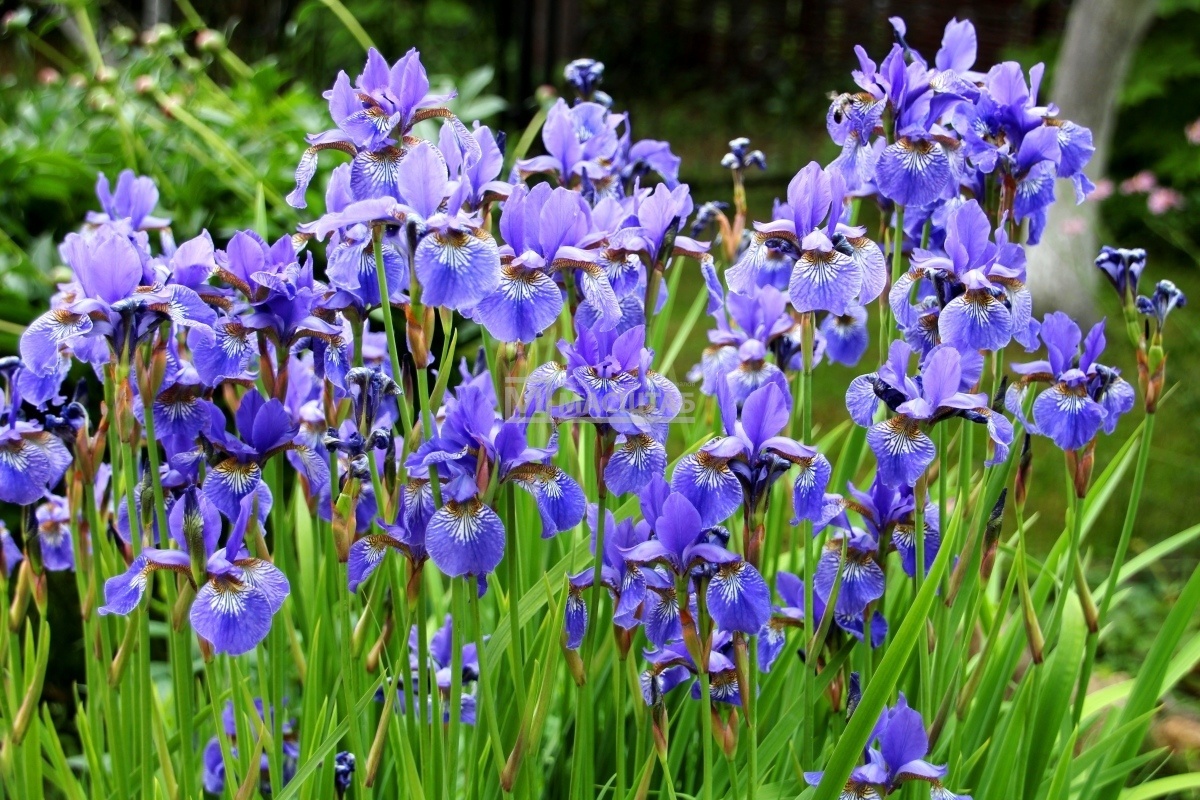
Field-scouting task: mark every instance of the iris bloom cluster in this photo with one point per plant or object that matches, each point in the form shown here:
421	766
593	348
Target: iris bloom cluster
235	365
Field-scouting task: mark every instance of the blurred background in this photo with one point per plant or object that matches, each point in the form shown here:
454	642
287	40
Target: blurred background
212	98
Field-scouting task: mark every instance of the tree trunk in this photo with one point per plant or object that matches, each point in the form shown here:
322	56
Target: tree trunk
1100	40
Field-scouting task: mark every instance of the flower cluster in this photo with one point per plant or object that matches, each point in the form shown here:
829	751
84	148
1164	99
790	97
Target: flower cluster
248	382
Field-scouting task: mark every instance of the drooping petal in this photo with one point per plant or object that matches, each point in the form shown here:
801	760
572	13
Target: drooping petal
709	484
41	340
457	268
560	500
976	320
808	492
465	538
526	303
660	616
902	449
824	281
231	480
268	579
635	460
846	336
862	579
1068	416
123	592
365	555
738	598
231	614
913	172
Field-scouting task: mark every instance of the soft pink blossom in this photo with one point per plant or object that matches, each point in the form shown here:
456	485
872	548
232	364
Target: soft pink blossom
1141	183
1162	200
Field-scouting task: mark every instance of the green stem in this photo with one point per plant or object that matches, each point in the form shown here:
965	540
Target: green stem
1110	585
457	585
924	696
810	659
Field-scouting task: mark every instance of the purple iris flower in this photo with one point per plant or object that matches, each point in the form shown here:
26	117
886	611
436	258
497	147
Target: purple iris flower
900	443
465	536
895	754
1084	395
1005	130
751	456
887	513
182	410
918	167
623	579
107	303
672	665
1167	297
791	614
609	376
239	594
578	139
476	181
585	74
373	118
979	286
214	763
545	231
406	535
130	205
441	654
32	460
350	254
834	266
266	428
10	554
862	577
738	597
54	534
758	324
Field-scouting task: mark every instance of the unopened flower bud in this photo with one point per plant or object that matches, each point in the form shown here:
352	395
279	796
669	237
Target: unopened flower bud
575	665
991	535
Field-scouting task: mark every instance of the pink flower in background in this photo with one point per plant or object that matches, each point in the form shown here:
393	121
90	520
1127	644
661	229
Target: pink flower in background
1192	132
1141	183
1162	200
1103	190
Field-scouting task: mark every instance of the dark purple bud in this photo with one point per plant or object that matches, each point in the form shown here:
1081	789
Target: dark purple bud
1123	268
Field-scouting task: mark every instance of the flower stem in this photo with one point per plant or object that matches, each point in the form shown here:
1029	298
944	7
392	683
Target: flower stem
1110	585
459	616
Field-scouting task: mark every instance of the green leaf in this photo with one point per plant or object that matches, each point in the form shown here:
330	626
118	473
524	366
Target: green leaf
321	751
1175	784
1149	682
1054	698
